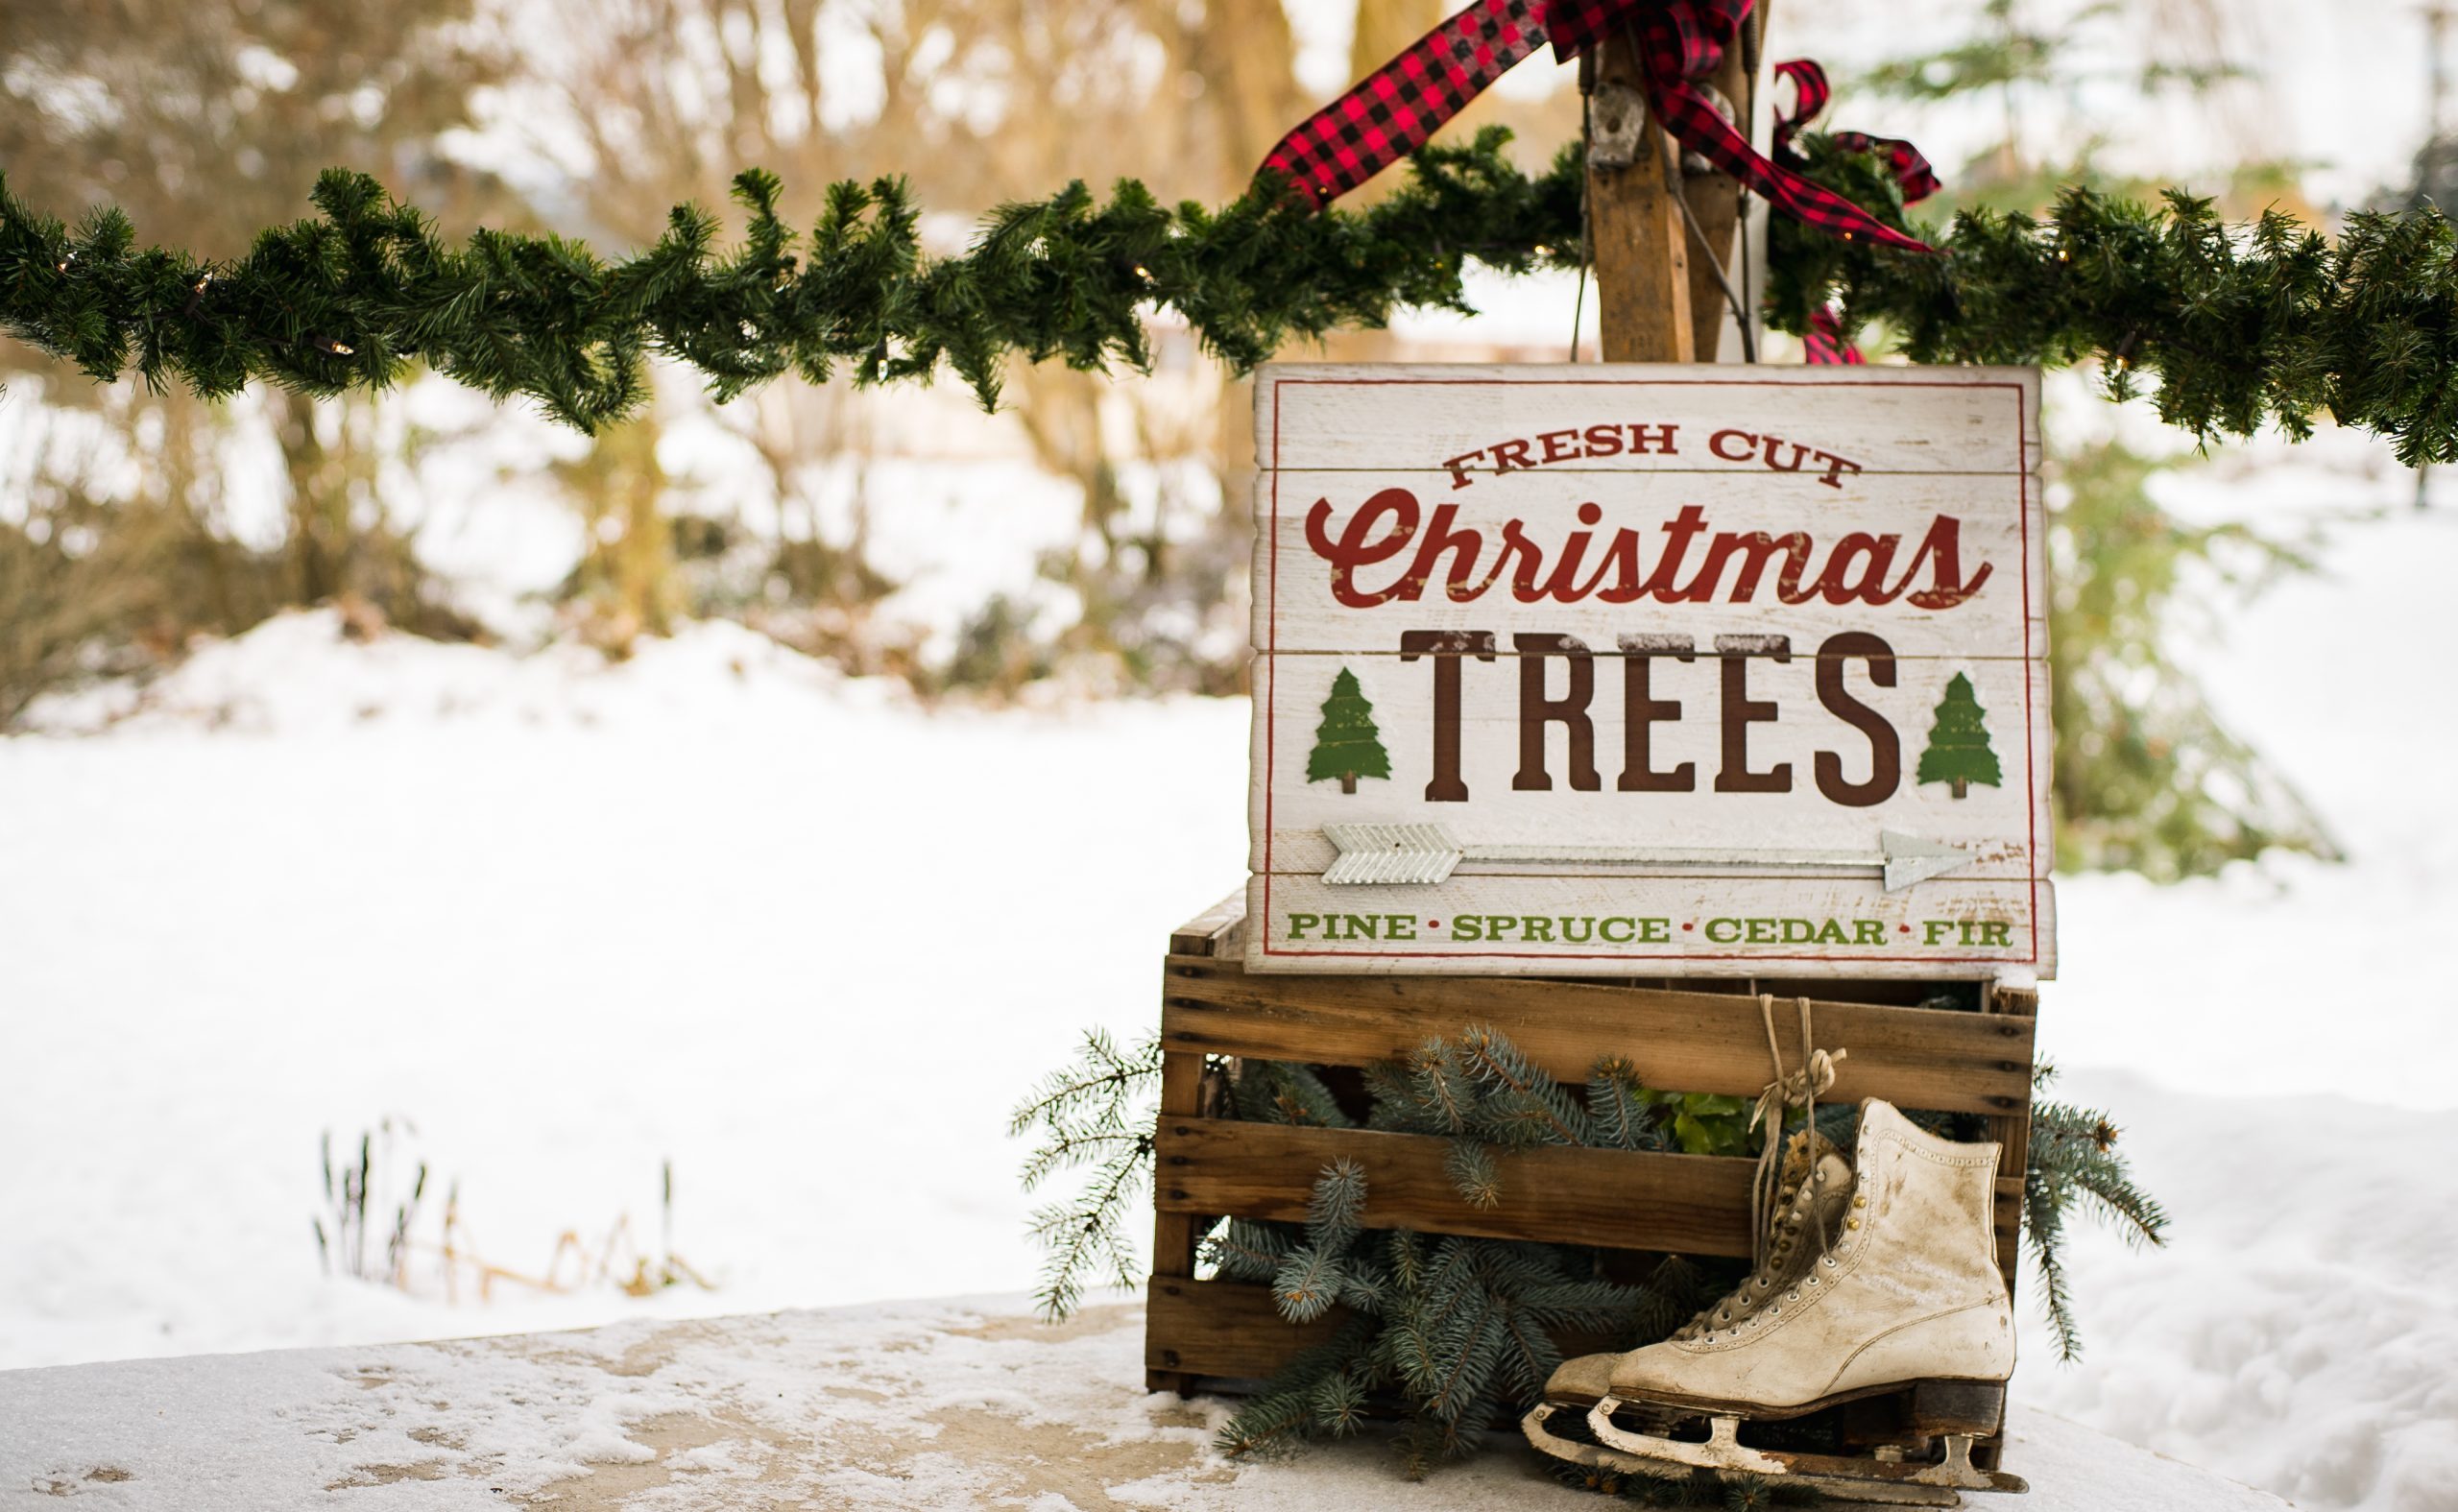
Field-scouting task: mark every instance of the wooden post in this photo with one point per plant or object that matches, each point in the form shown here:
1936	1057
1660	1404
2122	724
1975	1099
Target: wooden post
1658	297
1641	249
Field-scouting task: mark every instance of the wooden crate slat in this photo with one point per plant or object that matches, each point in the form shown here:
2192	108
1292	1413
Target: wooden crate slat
1220	1328
1173	1234
1230	1330
1692	1204
1615	1199
1932	1058
1216	931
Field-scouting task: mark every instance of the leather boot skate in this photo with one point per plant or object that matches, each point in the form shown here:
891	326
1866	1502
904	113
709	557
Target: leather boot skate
1900	1300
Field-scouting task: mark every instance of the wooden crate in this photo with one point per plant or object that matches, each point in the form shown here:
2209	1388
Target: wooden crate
1217	1334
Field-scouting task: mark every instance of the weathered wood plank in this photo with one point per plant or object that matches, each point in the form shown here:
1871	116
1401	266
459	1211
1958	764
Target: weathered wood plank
1749	560
1640	248
1613	1199
1224	1329
1886	419
1215	931
1716	201
1681	1041
1230	1330
2013	1132
1689	1204
1173	1231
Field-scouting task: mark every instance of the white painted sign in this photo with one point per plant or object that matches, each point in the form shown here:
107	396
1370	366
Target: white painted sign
1639	670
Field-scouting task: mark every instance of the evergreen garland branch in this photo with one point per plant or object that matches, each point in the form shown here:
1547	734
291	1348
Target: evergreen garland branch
348	301
2227	327
2230	326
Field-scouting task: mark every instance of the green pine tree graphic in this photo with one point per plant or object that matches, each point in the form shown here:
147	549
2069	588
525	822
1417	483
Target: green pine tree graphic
1347	744
1959	742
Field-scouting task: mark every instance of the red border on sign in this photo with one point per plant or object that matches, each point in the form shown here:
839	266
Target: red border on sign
1271	662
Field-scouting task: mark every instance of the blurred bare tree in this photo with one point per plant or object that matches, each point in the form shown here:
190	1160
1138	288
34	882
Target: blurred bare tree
642	103
207	122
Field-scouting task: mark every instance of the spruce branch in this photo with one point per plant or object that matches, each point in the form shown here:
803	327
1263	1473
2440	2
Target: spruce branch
1280	1091
1100	1112
1246	1250
2074	1161
1618	1110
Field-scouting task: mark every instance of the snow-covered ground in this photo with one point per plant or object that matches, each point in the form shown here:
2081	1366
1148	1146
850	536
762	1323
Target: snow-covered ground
911	1407
719	907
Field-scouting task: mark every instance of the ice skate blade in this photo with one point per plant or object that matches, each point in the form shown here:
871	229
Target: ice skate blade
1723	1452
1723	1448
1537	1426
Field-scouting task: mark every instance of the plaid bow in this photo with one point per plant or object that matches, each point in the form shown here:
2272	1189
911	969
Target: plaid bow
1810	93
1823	344
1394	111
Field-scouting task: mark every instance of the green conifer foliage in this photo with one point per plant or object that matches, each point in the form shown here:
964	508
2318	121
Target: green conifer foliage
2148	778
2074	1163
2229	327
1347	744
1958	751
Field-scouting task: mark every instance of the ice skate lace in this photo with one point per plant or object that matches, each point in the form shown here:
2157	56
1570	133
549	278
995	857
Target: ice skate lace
1796	1089
1774	1232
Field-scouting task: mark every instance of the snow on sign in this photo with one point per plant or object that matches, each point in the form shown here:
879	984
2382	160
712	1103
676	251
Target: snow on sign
1637	670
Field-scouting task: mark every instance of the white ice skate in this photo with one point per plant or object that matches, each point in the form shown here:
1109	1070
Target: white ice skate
1887	1304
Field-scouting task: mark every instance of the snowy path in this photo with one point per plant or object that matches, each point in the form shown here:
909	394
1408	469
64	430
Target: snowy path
919	1405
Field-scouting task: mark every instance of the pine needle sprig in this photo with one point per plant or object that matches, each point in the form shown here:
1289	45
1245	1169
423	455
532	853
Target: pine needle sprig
1288	1410
1313	1276
1247	1250
1526	1106
2074	1161
1101	1113
1282	1091
1619	1113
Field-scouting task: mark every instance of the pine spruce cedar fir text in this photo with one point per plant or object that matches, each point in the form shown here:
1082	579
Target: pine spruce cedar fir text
1629	929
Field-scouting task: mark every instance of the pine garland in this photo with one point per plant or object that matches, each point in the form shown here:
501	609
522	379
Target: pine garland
2227	327
2230	328
348	302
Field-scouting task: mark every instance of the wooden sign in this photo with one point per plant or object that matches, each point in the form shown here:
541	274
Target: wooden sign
1649	670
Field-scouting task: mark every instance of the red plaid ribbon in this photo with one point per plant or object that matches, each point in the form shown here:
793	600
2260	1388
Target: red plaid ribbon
1394	111
1809	95
1823	344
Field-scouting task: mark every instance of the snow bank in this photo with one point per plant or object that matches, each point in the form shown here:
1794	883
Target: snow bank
2295	1333
714	904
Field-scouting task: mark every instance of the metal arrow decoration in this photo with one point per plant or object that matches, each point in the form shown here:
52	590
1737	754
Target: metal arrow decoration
1419	855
